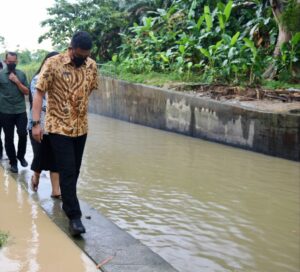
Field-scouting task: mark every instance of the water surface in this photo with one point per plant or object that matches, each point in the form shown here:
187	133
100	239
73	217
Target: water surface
35	243
201	206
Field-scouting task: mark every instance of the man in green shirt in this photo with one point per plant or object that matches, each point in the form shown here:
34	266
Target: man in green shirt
13	88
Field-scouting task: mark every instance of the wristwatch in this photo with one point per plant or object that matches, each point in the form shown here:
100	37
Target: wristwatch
35	123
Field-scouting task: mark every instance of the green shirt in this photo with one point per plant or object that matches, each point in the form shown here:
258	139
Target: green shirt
12	100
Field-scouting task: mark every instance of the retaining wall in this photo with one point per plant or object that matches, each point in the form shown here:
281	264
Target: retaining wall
273	132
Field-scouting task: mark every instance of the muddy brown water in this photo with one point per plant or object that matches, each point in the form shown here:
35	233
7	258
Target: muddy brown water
200	205
35	243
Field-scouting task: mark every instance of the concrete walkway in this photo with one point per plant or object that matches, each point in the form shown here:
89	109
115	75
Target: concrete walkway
35	243
111	249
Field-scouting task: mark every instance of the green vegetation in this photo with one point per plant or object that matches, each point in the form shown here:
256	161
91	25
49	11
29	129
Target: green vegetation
3	238
169	79
101	18
211	41
291	16
275	84
186	40
150	77
220	44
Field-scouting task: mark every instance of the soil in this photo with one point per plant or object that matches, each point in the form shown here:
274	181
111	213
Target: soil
222	92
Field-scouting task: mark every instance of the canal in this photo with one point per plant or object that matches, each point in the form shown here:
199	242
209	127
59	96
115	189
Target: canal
201	206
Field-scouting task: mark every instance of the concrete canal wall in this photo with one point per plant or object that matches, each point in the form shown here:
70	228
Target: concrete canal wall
249	125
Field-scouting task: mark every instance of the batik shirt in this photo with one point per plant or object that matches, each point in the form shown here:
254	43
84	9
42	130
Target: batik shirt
68	90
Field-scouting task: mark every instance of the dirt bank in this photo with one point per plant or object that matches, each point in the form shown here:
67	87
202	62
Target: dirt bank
223	92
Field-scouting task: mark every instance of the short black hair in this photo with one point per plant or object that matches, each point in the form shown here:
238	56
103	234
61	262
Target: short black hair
82	40
11	54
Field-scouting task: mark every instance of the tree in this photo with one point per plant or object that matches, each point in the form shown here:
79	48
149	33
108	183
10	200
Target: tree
61	24
24	56
138	9
39	55
101	18
284	34
287	16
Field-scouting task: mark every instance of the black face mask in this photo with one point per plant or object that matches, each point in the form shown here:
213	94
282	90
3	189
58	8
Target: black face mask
11	67
78	61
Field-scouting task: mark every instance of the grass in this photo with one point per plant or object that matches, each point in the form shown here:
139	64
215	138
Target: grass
149	78
160	79
3	238
157	79
272	84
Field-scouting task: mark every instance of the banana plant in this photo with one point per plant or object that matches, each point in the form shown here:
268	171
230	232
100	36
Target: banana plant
251	46
290	55
208	18
295	50
224	14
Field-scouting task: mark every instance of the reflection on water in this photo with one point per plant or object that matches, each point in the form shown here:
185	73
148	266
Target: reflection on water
200	205
35	244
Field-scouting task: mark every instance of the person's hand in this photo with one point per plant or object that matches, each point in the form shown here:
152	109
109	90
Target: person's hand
13	78
37	133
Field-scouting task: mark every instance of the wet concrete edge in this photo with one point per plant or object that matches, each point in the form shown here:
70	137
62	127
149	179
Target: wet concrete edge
104	242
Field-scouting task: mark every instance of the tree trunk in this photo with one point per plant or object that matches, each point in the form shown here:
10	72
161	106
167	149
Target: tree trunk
284	34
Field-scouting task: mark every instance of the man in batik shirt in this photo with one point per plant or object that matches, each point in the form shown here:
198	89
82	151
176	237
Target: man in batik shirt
68	79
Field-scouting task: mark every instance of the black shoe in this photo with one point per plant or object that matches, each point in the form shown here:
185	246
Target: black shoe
76	227
14	168
23	162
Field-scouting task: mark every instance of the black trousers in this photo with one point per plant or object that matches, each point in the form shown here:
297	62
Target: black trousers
9	122
68	153
43	156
